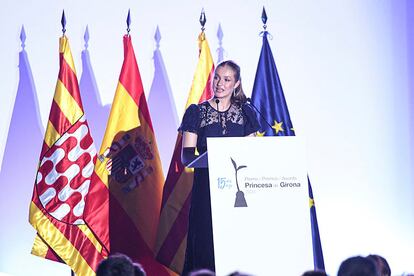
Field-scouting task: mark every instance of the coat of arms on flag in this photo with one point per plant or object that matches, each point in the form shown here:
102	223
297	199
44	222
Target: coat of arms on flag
126	160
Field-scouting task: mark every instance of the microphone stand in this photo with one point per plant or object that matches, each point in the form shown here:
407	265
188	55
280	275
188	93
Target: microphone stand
219	115
261	115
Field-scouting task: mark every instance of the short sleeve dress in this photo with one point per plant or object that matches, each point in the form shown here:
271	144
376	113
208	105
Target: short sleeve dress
237	121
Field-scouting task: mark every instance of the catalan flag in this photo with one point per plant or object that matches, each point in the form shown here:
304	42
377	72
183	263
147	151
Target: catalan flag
172	231
274	118
67	159
128	177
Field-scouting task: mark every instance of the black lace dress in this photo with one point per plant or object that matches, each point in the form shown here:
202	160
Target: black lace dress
206	121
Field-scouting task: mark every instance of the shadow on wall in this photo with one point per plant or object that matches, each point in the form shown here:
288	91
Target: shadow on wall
21	155
162	107
410	56
96	113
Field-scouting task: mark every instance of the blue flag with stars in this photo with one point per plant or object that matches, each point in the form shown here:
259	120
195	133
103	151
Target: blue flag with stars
273	115
268	97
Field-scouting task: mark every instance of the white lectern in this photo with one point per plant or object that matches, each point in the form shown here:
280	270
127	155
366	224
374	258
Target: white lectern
260	205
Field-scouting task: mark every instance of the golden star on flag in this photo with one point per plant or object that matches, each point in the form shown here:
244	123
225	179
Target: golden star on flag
311	202
278	127
260	134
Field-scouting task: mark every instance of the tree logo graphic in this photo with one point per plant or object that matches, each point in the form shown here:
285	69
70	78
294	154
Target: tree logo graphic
240	200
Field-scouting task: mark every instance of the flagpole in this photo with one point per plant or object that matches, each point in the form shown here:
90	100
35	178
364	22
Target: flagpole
128	21
203	19
264	19
63	22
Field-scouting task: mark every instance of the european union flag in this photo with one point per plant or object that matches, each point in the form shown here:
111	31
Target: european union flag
268	98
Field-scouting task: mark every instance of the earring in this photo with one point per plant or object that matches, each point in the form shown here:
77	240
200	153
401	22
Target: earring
234	92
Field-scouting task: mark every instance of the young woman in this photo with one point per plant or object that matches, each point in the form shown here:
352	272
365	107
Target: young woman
225	115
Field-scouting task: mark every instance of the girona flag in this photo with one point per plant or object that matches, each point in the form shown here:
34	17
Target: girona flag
63	180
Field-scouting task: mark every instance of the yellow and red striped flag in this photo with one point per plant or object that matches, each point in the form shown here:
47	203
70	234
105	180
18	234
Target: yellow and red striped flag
128	171
63	178
172	231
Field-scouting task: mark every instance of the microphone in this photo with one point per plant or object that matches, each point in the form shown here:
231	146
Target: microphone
261	115
219	115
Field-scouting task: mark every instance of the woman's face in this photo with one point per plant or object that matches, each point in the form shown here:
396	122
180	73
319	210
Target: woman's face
224	82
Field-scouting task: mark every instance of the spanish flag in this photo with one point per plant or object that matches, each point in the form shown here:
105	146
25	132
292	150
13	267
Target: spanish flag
63	180
128	178
172	232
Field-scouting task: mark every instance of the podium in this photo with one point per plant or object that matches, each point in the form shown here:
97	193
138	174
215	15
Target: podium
270	232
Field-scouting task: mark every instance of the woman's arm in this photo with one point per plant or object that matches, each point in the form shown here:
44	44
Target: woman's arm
188	147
